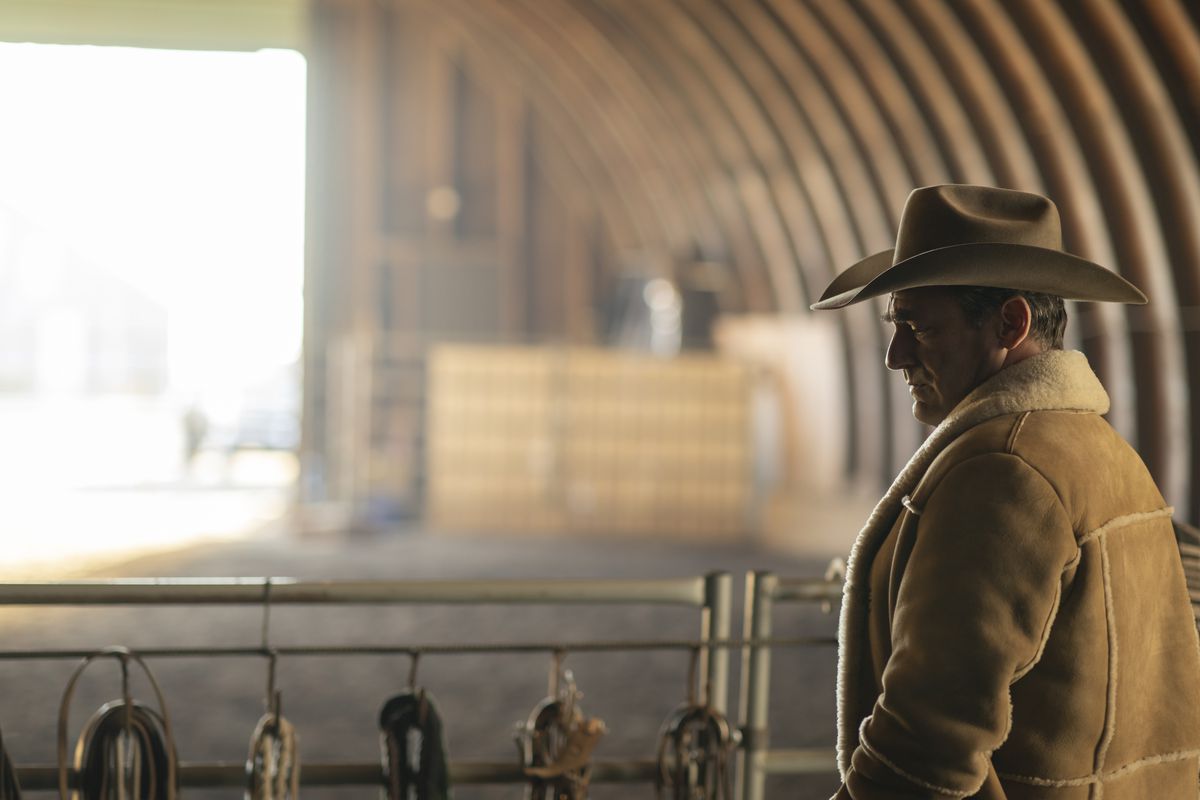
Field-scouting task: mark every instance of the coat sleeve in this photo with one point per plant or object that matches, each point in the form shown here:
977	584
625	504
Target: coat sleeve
973	610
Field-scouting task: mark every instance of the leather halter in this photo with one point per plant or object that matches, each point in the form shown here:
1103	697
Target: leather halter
122	754
694	746
126	751
413	749
693	755
273	765
557	741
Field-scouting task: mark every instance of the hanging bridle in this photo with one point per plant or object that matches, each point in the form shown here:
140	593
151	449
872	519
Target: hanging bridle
412	744
557	740
126	751
273	766
695	744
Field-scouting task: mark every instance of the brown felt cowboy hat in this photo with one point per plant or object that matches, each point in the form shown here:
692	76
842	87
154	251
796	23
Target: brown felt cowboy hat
959	235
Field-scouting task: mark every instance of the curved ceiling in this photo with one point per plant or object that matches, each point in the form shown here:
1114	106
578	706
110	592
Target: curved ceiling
786	134
782	136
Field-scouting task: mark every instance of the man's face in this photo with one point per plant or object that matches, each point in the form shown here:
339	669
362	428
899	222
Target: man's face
943	357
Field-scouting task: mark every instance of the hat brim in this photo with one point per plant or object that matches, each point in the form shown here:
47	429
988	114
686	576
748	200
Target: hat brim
999	264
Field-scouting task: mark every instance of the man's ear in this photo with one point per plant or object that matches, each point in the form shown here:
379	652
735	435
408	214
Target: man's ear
1015	319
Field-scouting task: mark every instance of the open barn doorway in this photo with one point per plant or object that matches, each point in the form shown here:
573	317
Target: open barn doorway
151	269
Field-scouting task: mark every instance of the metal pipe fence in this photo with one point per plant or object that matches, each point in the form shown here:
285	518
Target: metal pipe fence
757	759
710	594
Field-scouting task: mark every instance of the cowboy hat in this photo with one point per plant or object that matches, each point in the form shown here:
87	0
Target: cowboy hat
960	235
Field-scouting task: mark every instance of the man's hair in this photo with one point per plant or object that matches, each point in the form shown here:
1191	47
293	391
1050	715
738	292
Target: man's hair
1048	313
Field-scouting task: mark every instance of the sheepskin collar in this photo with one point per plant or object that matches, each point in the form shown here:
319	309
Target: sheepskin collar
1054	380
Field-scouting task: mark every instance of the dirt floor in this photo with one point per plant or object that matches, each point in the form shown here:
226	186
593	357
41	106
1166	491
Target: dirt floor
334	701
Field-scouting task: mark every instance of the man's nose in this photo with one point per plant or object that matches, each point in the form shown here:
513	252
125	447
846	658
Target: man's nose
900	349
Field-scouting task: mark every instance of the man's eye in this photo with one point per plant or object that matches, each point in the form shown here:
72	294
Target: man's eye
912	327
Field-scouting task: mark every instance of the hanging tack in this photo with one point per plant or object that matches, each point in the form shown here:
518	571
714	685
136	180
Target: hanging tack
413	747
695	745
273	765
557	740
126	749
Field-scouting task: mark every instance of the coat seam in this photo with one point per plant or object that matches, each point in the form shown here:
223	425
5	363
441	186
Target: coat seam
1110	621
1043	639
1096	777
1040	650
1125	520
1048	627
1032	467
1011	445
933	787
926	492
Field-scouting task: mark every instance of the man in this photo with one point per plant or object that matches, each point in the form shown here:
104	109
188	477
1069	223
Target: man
1016	622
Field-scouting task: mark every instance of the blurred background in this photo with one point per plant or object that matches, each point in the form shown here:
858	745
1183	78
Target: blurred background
545	266
471	288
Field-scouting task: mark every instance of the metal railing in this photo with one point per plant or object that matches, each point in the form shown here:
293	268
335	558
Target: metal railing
757	760
711	594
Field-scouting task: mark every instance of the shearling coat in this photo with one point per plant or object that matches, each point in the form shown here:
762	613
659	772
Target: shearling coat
1016	622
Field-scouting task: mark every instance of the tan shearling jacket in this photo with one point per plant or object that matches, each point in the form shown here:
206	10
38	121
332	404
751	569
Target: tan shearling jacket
1015	621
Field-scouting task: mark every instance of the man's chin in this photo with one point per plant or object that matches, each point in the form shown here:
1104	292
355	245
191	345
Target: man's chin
927	414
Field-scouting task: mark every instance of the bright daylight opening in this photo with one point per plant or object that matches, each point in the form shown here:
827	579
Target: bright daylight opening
151	267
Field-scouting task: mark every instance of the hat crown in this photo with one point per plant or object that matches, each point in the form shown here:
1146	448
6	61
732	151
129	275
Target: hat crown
943	216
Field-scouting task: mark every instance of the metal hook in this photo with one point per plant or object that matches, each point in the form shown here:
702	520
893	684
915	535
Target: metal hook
274	697
126	695
693	673
266	617
123	658
422	702
556	671
415	656
274	700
